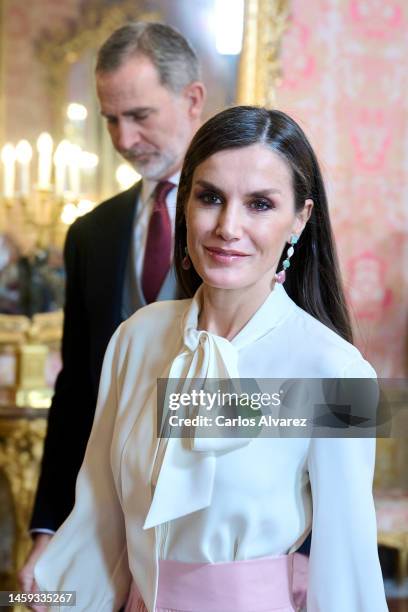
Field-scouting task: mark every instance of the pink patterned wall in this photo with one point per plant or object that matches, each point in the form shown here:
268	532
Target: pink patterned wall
345	78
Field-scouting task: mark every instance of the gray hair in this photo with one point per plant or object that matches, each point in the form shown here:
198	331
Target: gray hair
171	54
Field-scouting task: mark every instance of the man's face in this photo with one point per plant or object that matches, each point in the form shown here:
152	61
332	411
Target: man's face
150	126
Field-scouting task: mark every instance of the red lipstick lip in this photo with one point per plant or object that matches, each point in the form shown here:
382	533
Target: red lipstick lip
225	252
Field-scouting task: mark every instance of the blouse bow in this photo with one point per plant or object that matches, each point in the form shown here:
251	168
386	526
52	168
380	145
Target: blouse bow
185	468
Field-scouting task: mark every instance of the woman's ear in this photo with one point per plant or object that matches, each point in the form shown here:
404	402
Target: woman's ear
302	217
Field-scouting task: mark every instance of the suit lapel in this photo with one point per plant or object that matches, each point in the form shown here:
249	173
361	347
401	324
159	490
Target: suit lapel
107	247
113	238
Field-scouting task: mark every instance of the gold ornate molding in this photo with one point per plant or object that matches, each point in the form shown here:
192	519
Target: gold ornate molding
260	69
28	342
21	444
44	327
13	329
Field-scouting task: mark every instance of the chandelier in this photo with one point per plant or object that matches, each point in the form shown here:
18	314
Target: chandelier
40	210
46	187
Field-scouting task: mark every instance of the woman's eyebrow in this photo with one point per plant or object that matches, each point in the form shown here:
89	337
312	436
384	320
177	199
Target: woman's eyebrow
258	193
263	192
207	185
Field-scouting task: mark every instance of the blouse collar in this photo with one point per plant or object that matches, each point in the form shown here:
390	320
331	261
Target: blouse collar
277	306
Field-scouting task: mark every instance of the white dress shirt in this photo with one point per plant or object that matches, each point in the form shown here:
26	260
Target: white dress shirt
138	500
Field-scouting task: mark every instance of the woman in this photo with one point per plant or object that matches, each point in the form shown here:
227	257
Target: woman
210	524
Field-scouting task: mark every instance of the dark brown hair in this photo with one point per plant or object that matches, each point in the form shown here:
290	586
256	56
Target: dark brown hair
313	280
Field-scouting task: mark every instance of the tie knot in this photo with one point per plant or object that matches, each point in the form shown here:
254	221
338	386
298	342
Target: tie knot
161	191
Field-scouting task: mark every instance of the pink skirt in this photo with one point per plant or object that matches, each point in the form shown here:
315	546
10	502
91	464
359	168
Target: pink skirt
257	585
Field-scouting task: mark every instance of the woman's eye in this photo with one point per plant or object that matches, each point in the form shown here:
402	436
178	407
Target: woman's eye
209	198
261	205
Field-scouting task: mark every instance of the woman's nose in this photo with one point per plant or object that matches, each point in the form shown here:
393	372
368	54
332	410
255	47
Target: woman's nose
229	226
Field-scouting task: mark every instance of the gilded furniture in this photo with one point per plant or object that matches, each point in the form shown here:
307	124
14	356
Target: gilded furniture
25	395
391	477
22	432
392	520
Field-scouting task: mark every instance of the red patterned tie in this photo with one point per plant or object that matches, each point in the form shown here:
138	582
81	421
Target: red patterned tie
157	256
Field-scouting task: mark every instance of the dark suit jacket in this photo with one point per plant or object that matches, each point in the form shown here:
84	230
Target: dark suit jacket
96	252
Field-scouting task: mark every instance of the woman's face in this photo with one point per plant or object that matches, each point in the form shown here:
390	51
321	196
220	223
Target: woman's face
240	214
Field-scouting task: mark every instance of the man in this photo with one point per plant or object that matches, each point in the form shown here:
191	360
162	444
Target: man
118	256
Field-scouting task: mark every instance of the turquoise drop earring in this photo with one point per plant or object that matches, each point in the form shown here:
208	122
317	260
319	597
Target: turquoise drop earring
280	277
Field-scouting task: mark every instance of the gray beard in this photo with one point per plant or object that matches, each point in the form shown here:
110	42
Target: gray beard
156	168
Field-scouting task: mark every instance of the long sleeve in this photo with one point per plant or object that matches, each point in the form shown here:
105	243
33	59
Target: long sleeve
88	554
344	570
73	405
